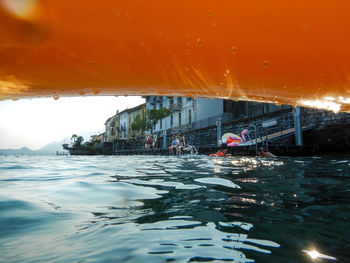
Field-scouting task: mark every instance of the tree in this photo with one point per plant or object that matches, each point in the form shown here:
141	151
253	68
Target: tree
154	115
77	140
74	138
139	124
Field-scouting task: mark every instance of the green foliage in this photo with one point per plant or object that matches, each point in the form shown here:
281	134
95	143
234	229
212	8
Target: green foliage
77	140
154	115
139	124
74	137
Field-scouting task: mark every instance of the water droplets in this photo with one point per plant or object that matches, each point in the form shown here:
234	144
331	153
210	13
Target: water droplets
81	93
128	17
94	63
95	91
126	68
188	52
234	50
199	42
266	64
56	97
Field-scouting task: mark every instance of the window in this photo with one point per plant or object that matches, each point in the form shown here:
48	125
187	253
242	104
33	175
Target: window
171	121
179	118
161	124
179	100
189	116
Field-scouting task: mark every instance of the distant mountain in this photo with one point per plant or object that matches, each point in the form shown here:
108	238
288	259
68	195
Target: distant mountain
49	149
21	151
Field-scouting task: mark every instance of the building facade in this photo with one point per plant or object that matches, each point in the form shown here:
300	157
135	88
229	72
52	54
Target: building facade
132	115
184	110
188	113
112	128
118	127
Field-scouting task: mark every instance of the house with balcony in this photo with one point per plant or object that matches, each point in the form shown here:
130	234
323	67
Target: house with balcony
112	128
126	118
184	111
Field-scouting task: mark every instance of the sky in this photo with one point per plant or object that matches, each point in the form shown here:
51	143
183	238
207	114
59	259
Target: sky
33	123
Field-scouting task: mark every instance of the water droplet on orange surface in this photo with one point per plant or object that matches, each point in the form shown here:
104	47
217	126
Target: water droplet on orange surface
14	99
227	71
116	13
234	50
187	52
210	13
142	44
126	67
213	23
199	42
266	64
305	27
95	91
72	56
93	63
128	17
56	97
82	93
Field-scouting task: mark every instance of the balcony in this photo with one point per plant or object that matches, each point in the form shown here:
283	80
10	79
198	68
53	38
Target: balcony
152	100
175	107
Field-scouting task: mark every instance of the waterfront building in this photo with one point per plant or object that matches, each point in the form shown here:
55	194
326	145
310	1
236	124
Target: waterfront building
188	113
132	115
118	127
98	138
112	128
184	110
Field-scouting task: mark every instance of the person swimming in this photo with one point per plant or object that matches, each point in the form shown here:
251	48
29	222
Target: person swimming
222	152
264	153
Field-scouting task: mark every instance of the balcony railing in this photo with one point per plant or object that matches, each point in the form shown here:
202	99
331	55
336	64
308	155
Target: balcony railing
175	107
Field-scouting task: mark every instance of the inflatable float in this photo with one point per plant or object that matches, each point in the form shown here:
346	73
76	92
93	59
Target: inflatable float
282	52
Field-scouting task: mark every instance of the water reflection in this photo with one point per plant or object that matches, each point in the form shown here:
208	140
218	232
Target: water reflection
316	255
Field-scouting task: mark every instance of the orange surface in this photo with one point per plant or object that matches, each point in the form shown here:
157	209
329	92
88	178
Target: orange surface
292	52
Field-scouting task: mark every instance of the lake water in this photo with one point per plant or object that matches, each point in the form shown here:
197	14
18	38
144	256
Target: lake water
174	209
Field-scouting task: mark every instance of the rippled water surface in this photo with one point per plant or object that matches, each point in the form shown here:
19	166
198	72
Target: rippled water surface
174	209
